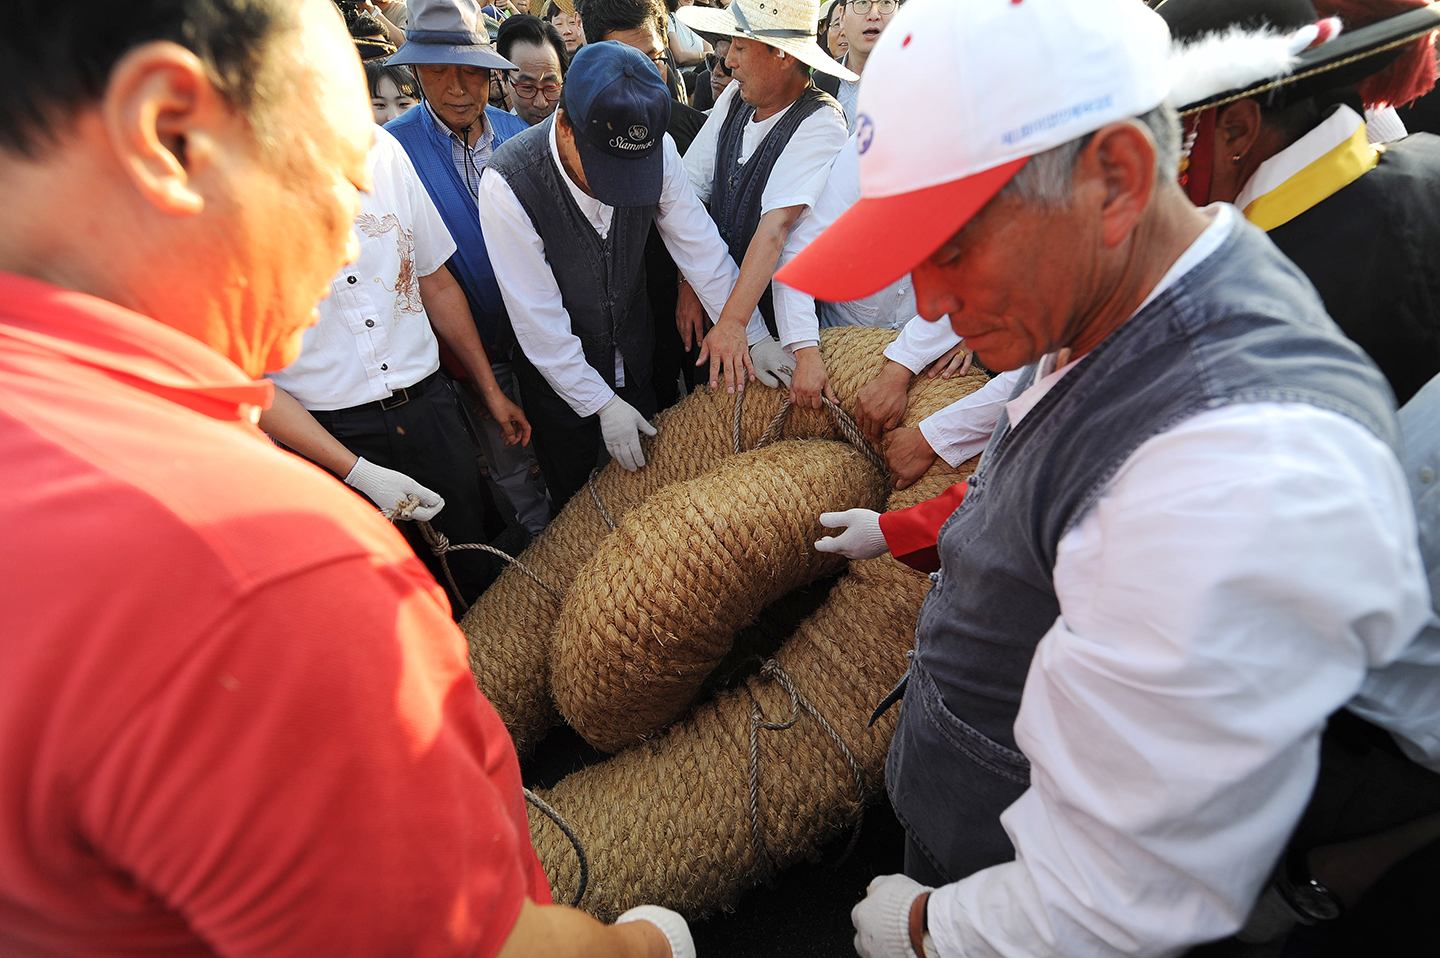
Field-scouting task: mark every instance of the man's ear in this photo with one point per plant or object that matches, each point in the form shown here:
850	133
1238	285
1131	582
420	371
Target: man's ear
1237	127
1120	158
165	120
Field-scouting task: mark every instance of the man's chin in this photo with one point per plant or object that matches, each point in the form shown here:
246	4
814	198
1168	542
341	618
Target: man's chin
285	350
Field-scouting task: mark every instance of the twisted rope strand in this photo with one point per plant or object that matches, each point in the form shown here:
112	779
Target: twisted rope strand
843	421
595	494
775	672
440	545
558	819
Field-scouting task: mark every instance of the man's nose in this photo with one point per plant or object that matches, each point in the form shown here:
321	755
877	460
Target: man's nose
934	298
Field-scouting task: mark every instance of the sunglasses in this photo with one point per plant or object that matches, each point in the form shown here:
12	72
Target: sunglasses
711	61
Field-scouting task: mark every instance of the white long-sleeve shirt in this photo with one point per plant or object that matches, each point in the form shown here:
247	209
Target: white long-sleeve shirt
532	297
836	189
1241	578
963	429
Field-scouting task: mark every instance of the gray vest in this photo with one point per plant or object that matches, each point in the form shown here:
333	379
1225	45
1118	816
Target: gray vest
737	189
1245	325
602	282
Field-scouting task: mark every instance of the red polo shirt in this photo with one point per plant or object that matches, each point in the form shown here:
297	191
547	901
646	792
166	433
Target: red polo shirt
235	717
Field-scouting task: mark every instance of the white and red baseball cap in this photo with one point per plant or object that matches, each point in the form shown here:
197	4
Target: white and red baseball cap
956	96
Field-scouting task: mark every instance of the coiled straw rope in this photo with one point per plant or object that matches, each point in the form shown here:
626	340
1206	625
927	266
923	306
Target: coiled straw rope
509	628
694	817
656	608
760	775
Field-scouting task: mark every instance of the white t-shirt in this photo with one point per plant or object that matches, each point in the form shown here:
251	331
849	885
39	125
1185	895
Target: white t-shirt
374	336
836	189
793	181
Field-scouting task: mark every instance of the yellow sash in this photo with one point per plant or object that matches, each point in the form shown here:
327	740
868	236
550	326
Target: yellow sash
1323	178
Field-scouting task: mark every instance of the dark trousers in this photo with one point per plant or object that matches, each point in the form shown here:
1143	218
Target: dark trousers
568	447
425	438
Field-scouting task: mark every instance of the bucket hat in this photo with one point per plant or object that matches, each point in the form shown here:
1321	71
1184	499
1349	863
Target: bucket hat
448	31
787	25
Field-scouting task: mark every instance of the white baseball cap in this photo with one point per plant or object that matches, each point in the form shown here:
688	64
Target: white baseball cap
956	96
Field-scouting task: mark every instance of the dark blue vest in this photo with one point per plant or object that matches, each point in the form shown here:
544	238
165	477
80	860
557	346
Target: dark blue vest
1244	325
738	188
602	282
431	152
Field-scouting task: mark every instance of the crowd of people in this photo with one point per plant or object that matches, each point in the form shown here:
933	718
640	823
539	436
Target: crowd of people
1177	677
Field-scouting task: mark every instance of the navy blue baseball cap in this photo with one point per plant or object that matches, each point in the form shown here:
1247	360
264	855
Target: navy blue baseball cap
619	108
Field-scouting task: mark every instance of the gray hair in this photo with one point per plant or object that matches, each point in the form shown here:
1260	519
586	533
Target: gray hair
1045	180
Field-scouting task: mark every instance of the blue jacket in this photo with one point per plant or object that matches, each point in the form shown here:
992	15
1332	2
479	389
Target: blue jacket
431	152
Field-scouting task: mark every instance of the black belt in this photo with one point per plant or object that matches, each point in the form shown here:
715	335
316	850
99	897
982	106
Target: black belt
397	398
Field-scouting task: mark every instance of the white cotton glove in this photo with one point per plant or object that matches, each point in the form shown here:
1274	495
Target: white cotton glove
882	919
773	365
389	489
621	425
676	931
862	538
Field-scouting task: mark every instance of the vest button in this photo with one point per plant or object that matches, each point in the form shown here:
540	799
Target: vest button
1427	474
351	280
369	322
384	365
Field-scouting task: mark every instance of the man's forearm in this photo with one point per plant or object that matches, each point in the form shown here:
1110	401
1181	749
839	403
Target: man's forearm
291	423
450	317
554	931
759	266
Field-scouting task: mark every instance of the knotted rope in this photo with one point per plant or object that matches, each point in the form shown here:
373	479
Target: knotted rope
843	421
441	545
773	671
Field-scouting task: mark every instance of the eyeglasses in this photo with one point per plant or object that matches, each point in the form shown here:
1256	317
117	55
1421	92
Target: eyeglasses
712	61
526	90
886	7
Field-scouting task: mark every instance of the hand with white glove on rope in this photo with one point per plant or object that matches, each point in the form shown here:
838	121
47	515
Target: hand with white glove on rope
620	426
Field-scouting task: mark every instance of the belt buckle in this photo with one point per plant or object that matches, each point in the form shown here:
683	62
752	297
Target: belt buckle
398	398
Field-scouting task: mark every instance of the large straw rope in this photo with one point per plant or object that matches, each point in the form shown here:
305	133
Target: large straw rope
509	627
656	608
761	775
674	820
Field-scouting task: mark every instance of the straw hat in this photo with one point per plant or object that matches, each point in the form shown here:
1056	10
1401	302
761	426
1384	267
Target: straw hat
787	25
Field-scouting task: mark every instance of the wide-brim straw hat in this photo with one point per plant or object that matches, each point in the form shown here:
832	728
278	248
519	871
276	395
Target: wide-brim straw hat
448	31
787	25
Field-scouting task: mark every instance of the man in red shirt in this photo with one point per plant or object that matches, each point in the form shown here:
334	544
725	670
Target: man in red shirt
235	718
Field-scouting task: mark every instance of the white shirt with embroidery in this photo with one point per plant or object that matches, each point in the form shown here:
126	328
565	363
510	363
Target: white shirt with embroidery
374	336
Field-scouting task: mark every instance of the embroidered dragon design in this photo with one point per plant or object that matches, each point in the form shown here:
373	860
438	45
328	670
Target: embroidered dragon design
407	284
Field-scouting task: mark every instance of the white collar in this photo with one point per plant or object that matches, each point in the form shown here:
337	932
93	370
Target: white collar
485	131
1335	129
594	210
1048	374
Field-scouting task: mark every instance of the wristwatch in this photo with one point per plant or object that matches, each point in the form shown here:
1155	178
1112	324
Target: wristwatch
1311	901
